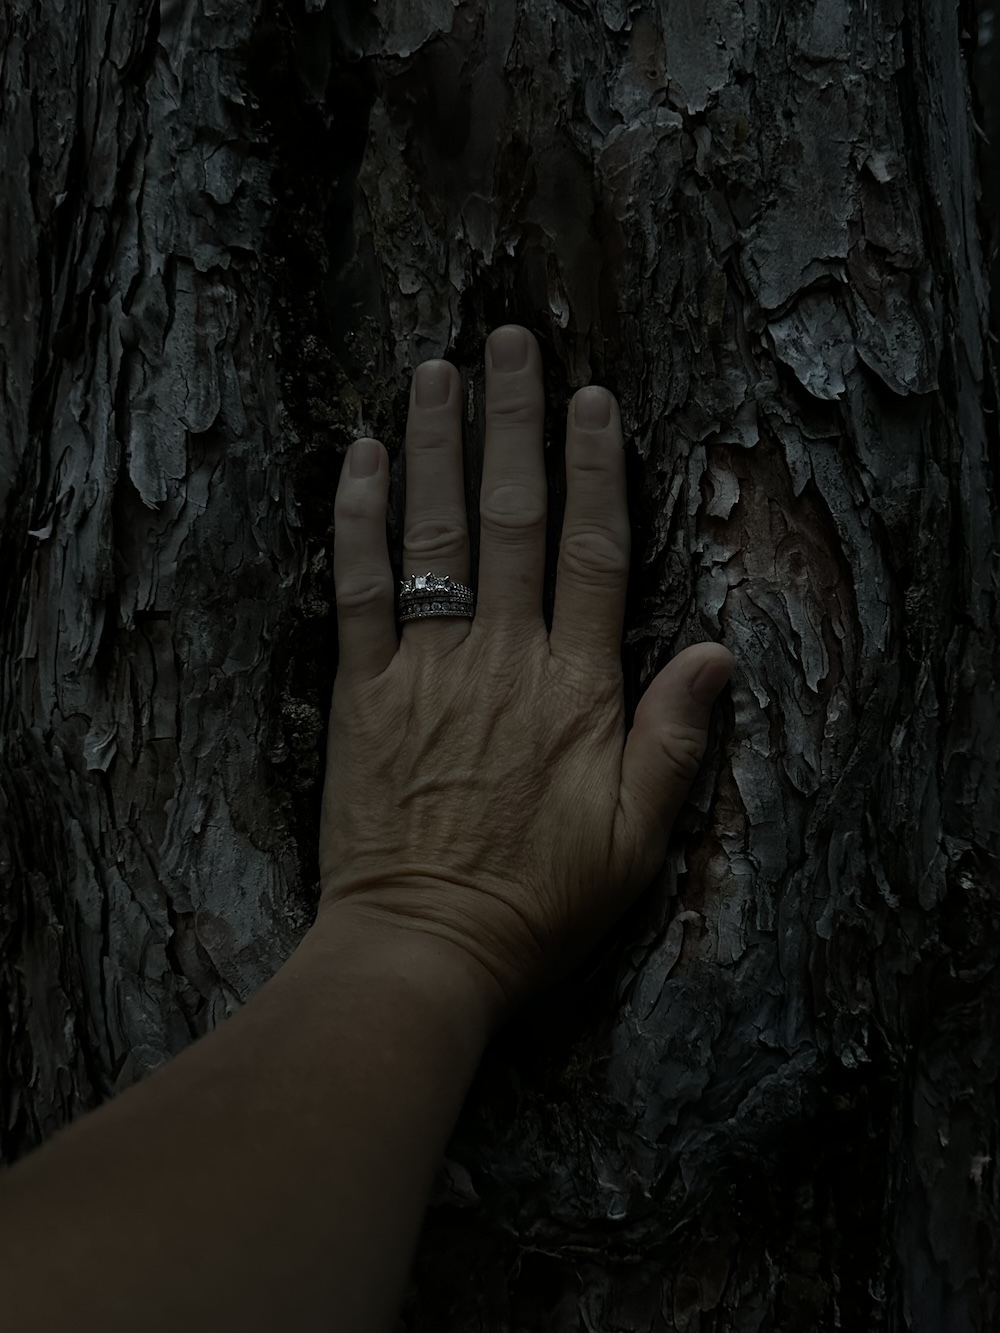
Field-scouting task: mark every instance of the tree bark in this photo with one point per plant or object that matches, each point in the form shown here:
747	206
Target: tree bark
150	548
768	1102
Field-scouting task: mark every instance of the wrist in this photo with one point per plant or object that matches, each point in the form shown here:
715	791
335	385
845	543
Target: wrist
362	939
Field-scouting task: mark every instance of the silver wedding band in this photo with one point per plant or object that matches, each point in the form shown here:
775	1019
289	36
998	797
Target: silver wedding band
426	595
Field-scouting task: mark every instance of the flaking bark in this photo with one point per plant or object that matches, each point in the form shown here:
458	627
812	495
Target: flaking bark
769	1102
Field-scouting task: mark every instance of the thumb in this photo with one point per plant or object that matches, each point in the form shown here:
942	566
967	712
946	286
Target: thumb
665	748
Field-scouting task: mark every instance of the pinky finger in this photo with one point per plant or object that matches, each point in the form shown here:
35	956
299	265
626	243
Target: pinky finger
362	574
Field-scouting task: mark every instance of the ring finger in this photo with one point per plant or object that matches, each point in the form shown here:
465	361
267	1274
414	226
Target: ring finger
435	526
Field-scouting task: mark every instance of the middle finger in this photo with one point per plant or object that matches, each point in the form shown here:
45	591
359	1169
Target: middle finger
513	500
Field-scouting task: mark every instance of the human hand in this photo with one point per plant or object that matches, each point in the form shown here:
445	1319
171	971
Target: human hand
479	785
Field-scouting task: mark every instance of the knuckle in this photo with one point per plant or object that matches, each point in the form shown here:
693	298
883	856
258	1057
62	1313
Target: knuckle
429	436
434	536
594	556
683	750
361	592
594	462
512	508
357	504
515	407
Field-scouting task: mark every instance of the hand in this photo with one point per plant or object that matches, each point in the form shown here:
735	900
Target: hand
479	785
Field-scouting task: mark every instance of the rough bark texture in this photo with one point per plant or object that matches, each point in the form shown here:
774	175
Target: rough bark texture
229	232
986	84
147	549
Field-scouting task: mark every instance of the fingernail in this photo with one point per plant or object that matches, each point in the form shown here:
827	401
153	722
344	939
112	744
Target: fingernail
509	349
710	681
592	408
363	458
433	383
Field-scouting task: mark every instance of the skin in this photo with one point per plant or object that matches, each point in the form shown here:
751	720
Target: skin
480	787
484	820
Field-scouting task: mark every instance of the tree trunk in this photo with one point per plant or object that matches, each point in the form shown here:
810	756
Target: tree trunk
768	1102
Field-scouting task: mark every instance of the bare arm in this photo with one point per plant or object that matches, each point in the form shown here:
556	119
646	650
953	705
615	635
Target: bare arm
275	1174
485	821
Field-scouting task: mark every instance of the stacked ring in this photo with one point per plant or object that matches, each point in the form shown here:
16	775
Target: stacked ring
426	595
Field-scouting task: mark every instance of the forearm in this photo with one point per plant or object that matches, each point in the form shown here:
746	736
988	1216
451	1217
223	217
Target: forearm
274	1175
